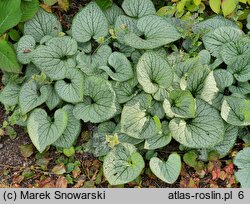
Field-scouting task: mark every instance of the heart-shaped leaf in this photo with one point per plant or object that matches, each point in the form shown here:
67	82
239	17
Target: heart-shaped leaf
162	139
25	48
203	131
135	121
215	39
224	147
193	80
235	111
154	72
9	95
125	90
214	86
72	130
213	23
32	96
180	104
138	8
168	171
233	50
41	25
121	67
53	99
157	31
70	89
123	164
89	23
241	88
89	63
240	68
43	130
242	161
112	13
125	24
56	57
100	102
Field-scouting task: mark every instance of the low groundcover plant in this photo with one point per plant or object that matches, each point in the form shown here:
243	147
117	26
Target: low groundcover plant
117	68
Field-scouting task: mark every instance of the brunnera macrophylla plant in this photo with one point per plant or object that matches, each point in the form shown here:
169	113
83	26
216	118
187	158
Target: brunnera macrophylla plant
115	68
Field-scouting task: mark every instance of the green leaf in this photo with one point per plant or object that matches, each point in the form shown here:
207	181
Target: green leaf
56	57
242	161
157	31
70	89
43	130
213	23
214	86
97	144
181	68
104	4
168	171
41	25
112	13
233	50
14	34
228	6
32	96
157	109
53	99
89	64
122	69
166	11
138	8
125	24
10	14
9	95
180	104
50	2
124	138
89	23
123	164
242	88
69	152
215	39
194	79
135	121
224	147
154	72
25	47
126	90
8	58
161	140
29	9
100	102
204	131
72	131
215	5
235	111
240	68
190	158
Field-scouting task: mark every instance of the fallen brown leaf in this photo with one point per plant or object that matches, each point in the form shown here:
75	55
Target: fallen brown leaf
61	182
